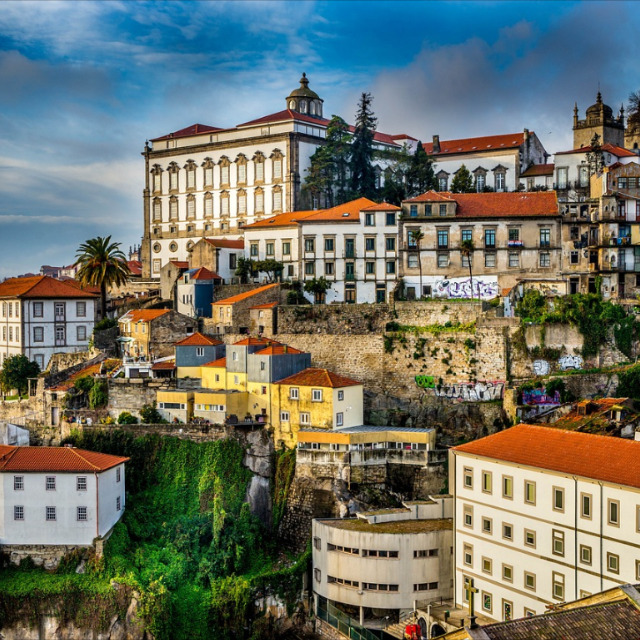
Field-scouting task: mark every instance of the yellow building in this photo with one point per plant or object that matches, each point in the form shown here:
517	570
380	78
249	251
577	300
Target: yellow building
175	405
315	398
363	438
219	405
214	374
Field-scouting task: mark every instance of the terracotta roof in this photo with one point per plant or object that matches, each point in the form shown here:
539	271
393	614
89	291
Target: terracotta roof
594	418
620	152
383	206
181	264
225	243
277	350
197	339
165	365
591	456
61	459
251	341
91	370
403	136
193	130
143	315
266	305
538	170
347	212
497	205
220	362
245	294
313	377
42	287
476	145
135	266
287	219
204	274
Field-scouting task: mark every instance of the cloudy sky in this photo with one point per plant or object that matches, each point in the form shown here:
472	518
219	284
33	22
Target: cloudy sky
83	84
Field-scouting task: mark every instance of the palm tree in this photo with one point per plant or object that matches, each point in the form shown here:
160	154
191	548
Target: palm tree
101	264
417	236
466	250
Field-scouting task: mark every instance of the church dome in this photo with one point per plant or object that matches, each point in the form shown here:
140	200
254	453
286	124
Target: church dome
305	101
303	90
595	109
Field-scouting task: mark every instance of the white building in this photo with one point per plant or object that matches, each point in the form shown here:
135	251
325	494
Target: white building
41	316
205	181
58	495
542	516
383	562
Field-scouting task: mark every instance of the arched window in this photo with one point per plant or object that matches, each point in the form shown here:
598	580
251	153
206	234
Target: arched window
242	202
173	208
173	170
241	163
191	207
208	205
224	171
157	210
207	165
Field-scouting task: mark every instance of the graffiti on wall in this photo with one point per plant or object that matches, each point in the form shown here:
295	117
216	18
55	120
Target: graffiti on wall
570	362
461	288
426	382
471	391
541	367
540	396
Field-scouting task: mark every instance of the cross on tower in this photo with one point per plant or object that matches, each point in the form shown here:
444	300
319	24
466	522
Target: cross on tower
471	591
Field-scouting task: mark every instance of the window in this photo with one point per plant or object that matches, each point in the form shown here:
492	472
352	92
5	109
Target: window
277	200
428	209
340	396
38	358
507	572
507	531
284	416
585	505
480	182
490	238
50	483
490	259
81	309
574	257
487	565
443	209
191	207
329	268
487	525
613	511
81	483
50	513
270	248
38	334
558	585
467	260
81	513
585	554
487	482
468	478
487	600
309	268
390	244
390	266
18	483
305	418
370	267
467	515
339	419
173	208
530	538
443	260
369	244
558	499
545	237
242	172
583	175
259	198
545	259
412	260
413	211
18	512
468	555
316	395
81	333
442	183
390	219
443	238
309	244
277	169
529	492
557	541
507	486
329	245
118	474
253	249
466	235
118	503
514	259
369	219
37	310
507	607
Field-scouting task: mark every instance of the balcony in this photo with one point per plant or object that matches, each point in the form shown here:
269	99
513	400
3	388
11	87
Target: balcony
515	244
349	253
349	277
443	246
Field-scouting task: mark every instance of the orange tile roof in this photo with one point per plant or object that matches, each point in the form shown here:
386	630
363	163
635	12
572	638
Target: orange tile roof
220	362
42	287
383	206
313	377
245	294
581	454
538	170
595	420
143	315
181	264
204	274
286	114
266	305
277	350
193	130
620	152
60	459
476	145
225	243
347	212
250	341
287	219
69	382
135	266
513	204
165	365
197	339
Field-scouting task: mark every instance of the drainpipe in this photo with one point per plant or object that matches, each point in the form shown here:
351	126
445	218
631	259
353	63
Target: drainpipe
455	475
95	473
575	537
601	533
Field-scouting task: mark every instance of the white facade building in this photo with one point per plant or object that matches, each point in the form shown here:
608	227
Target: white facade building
40	316
58	495
542	516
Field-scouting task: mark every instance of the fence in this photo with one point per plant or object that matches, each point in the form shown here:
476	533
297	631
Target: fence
344	624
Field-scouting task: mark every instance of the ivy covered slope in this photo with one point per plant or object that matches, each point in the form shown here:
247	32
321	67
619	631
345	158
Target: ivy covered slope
187	544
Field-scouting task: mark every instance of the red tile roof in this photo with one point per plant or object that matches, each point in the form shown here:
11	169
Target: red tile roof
383	206
266	305
620	152
403	136
245	294
59	459
313	377
69	382
347	212
538	170
225	243
602	458
251	341
197	339
513	204
181	264
193	130
135	266
165	365
476	145
277	350
287	219
42	287
143	315
220	362
204	274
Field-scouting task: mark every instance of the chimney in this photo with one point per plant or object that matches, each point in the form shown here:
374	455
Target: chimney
284	348
436	144
526	135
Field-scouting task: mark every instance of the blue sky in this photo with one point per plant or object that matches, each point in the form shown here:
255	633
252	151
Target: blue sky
83	84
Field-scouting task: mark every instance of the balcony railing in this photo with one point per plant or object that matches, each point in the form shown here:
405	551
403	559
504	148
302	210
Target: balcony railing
349	276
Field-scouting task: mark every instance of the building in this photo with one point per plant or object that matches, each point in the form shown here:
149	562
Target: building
152	333
233	315
220	255
169	275
41	316
495	162
194	292
58	496
543	516
599	121
315	398
263	319
206	181
376	566
516	236
194	351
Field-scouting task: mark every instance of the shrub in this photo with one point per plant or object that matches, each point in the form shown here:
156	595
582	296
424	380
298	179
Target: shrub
150	415
126	418
105	323
99	394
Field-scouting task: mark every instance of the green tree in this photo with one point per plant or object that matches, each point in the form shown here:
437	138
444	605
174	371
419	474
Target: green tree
462	181
318	287
466	250
244	269
102	264
393	191
363	178
633	110
420	176
417	236
271	267
15	373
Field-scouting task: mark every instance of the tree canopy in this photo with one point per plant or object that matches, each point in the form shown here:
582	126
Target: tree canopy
16	371
633	110
462	181
363	177
420	176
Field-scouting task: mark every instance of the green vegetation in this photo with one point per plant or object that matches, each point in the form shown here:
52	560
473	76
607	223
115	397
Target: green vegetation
105	323
15	373
126	418
437	329
629	383
187	544
150	415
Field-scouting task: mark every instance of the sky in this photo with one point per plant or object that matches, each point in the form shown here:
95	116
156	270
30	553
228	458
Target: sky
84	84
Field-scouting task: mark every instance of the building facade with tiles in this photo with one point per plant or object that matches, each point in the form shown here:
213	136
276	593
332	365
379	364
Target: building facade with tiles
543	516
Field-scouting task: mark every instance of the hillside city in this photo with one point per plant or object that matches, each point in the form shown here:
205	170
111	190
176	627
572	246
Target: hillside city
350	384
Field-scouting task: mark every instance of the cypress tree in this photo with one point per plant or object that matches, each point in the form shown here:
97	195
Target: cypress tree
420	176
363	179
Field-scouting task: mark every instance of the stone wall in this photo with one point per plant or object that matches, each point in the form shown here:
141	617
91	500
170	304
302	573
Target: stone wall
131	395
222	291
566	337
64	361
166	330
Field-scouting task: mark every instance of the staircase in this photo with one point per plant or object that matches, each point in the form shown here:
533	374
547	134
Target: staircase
396	630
